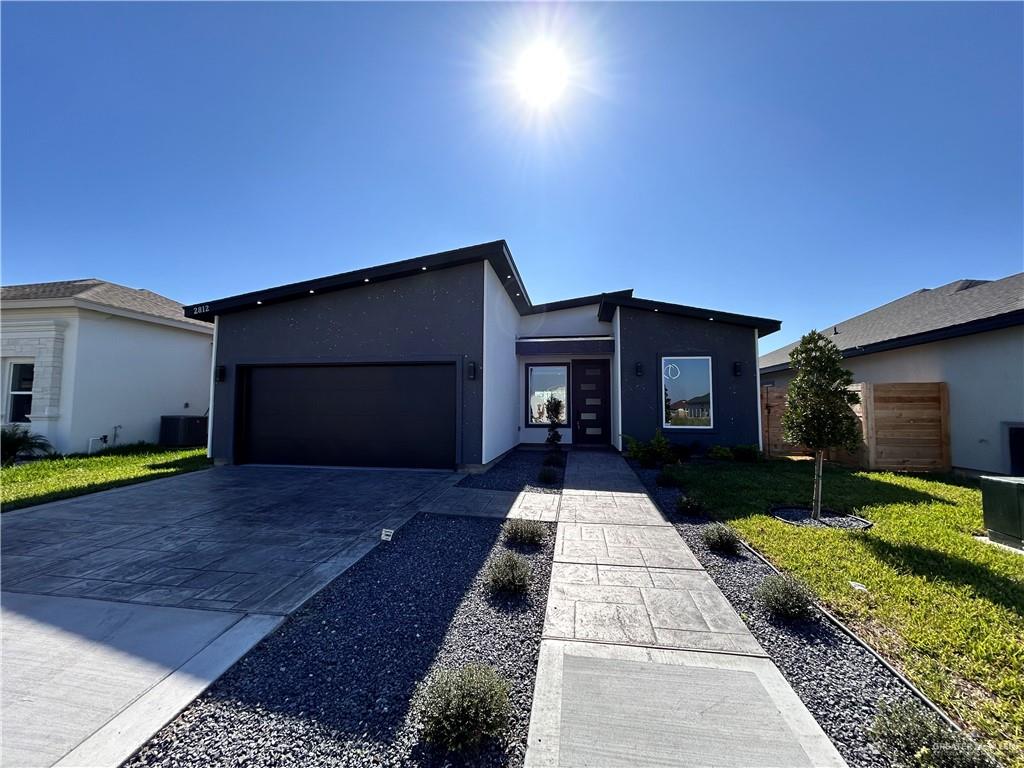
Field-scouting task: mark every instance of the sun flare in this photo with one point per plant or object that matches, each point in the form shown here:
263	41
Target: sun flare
542	74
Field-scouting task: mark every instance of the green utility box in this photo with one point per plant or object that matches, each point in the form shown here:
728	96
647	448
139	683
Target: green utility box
1002	499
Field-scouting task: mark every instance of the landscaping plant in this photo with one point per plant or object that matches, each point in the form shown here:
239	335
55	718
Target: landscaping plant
460	708
553	409
508	573
912	736
657	452
16	442
524	532
720	453
818	413
784	597
554	460
746	453
667	478
720	538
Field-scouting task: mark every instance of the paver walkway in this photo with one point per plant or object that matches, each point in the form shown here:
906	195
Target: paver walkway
644	662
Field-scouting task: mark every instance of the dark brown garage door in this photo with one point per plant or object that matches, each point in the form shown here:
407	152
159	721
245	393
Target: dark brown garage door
351	415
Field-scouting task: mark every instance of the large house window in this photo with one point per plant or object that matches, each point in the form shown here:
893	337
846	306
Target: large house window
686	390
542	382
20	403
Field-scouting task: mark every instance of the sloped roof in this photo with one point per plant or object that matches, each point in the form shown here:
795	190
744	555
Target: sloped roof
104	293
955	309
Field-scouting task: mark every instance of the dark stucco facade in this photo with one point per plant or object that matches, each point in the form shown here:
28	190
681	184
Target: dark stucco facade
430	317
645	337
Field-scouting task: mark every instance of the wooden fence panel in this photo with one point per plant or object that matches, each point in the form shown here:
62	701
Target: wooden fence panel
905	427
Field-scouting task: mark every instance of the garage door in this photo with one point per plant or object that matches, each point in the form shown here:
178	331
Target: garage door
351	415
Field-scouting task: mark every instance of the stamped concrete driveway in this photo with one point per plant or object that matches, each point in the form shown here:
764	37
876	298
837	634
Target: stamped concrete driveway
121	606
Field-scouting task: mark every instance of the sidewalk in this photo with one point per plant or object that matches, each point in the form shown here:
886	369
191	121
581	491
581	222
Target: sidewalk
644	662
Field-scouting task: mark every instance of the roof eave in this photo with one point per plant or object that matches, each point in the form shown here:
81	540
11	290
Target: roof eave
983	325
763	325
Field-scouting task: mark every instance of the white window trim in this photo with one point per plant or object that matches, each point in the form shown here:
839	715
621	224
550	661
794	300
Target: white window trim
711	391
9	397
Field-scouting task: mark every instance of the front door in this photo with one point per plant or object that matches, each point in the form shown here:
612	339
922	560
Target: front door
591	409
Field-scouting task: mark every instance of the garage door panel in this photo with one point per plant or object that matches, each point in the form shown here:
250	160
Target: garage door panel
354	415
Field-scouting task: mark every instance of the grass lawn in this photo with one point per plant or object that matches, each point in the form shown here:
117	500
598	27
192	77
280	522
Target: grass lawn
52	479
946	609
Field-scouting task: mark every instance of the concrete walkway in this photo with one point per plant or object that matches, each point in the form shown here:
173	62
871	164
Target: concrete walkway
644	662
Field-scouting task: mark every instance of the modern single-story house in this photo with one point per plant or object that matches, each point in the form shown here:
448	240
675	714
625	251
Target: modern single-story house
968	334
88	359
443	361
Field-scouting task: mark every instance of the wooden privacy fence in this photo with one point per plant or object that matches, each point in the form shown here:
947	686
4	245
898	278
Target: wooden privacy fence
905	426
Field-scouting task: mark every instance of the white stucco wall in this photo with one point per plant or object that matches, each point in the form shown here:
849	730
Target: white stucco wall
565	322
130	373
985	375
499	369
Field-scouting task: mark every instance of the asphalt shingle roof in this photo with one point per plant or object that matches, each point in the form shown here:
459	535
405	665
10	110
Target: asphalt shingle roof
929	309
105	293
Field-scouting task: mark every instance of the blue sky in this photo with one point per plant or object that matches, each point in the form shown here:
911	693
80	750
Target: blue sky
800	161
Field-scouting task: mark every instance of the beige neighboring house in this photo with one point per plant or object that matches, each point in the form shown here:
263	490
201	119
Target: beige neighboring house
83	359
969	334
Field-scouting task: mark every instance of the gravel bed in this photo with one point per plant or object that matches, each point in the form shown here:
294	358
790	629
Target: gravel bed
839	681
335	684
517	472
829	519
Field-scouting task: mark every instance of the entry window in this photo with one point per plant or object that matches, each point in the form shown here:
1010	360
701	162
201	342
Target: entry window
686	391
542	382
20	402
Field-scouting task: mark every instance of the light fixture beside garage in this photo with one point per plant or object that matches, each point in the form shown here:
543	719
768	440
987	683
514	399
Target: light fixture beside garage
471	370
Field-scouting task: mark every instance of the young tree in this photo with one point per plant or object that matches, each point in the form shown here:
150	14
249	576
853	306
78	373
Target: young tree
818	401
553	409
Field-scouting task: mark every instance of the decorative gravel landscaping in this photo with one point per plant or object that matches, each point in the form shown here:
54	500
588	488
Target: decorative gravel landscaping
945	609
337	683
36	482
828	519
518	471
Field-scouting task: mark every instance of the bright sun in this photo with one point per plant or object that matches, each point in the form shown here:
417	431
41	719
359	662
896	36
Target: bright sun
541	75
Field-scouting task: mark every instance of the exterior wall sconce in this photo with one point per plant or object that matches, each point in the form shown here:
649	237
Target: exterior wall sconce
639	369
220	373
471	371
737	369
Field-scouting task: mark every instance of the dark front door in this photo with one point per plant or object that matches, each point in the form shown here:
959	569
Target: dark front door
348	415
591	409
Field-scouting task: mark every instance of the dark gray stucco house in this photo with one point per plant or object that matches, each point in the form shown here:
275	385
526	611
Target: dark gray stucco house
443	361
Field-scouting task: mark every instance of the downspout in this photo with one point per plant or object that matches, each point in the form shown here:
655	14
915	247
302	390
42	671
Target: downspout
213	379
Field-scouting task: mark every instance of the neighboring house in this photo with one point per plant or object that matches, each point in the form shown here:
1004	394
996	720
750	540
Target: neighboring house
969	334
443	361
86	358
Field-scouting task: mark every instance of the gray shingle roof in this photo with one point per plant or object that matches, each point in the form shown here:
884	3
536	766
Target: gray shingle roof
926	310
105	293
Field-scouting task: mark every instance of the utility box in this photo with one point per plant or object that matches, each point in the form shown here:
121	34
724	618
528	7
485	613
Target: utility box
1002	499
182	431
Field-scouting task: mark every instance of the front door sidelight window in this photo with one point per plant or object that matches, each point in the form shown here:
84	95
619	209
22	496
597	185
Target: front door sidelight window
542	382
686	392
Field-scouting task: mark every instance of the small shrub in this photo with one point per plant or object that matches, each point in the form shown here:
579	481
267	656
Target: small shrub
508	573
784	597
682	453
547	476
746	453
913	737
16	442
462	707
719	537
553	411
689	506
720	453
554	460
524	532
655	453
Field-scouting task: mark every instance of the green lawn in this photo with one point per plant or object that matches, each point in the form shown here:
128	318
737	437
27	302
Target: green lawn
52	479
945	608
